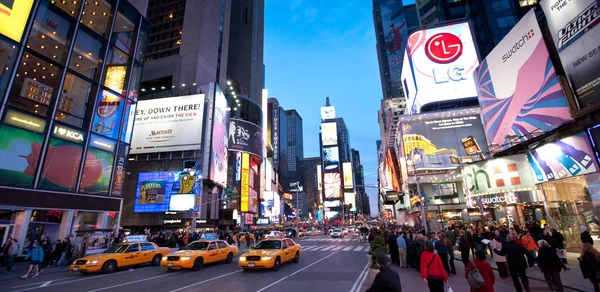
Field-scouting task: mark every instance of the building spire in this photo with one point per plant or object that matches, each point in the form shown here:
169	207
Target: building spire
327	101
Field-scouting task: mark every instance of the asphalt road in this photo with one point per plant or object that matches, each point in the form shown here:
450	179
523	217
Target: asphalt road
325	265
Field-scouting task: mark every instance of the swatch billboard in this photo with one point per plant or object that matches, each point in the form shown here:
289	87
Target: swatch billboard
575	31
395	34
564	158
518	89
499	175
442	61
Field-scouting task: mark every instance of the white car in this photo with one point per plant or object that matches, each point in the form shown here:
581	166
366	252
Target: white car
337	233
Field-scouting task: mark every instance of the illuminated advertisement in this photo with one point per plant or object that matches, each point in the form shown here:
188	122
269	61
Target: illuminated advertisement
392	169
329	133
327	113
395	36
218	159
347	170
332	185
168	124
245	184
518	89
443	61
319	177
350	201
156	190
566	157
575	31
331	158
245	136
101	152
13	17
107	116
437	138
119	174
498	175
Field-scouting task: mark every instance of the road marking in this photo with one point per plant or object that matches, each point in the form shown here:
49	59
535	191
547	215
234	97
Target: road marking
356	286
347	248
307	247
296	272
46	284
207	280
133	282
358	248
367	248
328	247
313	247
337	248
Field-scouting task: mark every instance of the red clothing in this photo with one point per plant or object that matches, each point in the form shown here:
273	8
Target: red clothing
486	272
435	270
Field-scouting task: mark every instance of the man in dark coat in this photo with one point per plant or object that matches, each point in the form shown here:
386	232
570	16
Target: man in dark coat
393	247
387	280
517	265
585	235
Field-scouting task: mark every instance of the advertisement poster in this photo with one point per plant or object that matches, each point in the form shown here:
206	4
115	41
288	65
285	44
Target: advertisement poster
107	116
329	133
218	160
99	160
395	37
518	90
498	175
168	124
350	201
575	31
319	177
13	17
331	158
332	183
392	169
443	61
155	189
61	167
437	138
245	184
327	113
347	170
245	136
566	157
20	144
119	174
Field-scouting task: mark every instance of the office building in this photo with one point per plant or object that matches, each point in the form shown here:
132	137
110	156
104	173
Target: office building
343	140
295	146
309	168
362	199
69	81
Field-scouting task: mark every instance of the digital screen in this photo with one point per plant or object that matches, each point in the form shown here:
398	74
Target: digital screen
19	153
331	158
220	140
447	189
350	200
327	113
62	163
107	117
98	160
332	204
155	189
347	169
13	17
183	202
332	184
395	34
329	133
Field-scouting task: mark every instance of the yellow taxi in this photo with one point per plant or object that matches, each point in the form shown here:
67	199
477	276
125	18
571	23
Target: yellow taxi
270	254
242	237
196	254
120	255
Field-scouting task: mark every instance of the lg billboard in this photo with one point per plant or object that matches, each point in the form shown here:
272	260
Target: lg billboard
441	62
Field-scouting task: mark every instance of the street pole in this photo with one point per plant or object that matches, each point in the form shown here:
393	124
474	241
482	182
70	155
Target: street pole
423	215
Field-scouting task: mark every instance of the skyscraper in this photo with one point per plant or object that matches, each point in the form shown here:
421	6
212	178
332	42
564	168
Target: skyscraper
295	146
309	168
362	199
343	140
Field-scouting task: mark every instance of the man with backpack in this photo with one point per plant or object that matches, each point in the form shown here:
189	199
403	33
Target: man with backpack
479	274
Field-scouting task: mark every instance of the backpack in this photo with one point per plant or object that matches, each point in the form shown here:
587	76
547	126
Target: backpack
474	278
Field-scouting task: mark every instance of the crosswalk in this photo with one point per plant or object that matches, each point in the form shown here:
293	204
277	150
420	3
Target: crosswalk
359	248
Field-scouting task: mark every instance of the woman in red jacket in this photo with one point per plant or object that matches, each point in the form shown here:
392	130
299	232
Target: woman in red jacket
432	269
485	270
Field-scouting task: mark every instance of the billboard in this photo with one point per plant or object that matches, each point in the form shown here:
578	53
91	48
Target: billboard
566	157
392	169
168	124
245	184
319	178
332	183
329	133
347	171
437	138
331	158
518	89
443	60
350	201
245	136
218	156
13	17
395	33
499	175
327	113
575	31
156	191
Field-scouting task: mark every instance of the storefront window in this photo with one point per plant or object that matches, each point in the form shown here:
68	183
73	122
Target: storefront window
71	7
128	122
107	116
44	223
35	82
87	55
134	83
73	100
51	34
97	15
21	137
98	165
7	59
116	70
142	41
92	232
124	31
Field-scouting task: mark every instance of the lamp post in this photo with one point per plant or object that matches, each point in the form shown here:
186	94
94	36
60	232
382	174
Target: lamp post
413	162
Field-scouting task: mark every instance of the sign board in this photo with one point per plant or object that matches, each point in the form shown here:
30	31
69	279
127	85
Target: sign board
327	113
245	136
499	175
329	133
245	184
136	238
13	17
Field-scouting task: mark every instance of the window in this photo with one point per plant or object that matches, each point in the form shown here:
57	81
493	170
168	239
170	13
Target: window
143	42
7	58
108	112
70	7
284	245
51	33
97	15
74	100
87	55
222	244
116	70
63	159
133	248
98	166
124	30
147	246
502	22
212	245
290	242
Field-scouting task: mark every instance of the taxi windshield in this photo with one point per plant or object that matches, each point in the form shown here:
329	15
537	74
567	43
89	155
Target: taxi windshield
198	245
269	244
119	248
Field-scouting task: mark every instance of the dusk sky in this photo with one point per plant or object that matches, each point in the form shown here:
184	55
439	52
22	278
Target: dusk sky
316	48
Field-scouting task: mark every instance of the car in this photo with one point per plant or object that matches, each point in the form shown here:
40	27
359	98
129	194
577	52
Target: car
274	234
344	231
290	232
337	233
198	253
351	229
303	232
119	256
270	254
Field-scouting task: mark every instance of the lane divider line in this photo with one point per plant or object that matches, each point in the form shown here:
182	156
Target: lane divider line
364	271
207	280
133	282
364	277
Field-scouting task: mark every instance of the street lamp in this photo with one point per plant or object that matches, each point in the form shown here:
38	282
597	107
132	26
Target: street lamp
413	162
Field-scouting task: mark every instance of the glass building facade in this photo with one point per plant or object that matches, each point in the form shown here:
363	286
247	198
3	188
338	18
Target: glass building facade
68	89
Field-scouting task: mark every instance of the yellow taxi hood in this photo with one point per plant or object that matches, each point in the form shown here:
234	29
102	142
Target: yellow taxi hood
261	252
183	253
98	256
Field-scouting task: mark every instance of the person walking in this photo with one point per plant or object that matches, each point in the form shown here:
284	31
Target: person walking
441	246
13	251
393	247
464	246
529	244
485	269
589	262
401	243
585	235
500	260
432	269
65	246
387	279
560	242
517	266
550	265
36	254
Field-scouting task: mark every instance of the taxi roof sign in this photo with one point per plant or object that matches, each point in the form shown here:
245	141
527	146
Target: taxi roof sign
135	238
209	236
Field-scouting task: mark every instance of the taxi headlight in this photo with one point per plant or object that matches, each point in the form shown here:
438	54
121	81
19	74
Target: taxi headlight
266	258
164	258
242	259
74	263
185	258
93	262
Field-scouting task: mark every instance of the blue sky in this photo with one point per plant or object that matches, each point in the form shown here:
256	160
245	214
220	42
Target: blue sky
316	48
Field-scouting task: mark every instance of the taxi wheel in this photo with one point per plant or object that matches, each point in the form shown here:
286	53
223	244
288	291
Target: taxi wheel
229	258
198	264
277	264
109	267
297	258
156	260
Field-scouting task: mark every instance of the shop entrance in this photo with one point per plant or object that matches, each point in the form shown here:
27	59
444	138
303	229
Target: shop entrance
5	232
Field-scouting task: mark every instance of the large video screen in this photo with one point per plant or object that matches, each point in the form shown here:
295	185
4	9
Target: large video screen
329	133
332	185
395	31
155	190
331	159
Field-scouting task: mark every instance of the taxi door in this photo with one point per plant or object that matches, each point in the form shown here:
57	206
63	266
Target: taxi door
223	250
293	248
212	253
285	251
148	252
131	256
